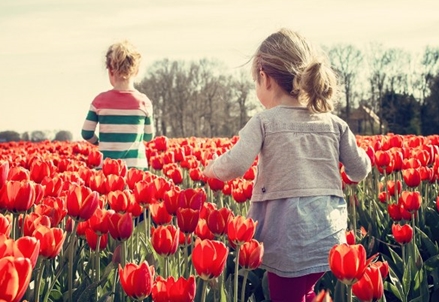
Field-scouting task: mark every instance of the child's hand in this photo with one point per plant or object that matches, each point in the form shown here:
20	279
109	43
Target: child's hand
208	172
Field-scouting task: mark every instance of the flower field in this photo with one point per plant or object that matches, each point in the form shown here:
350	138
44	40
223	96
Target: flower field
70	231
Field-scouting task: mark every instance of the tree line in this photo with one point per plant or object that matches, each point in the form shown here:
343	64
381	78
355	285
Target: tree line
203	99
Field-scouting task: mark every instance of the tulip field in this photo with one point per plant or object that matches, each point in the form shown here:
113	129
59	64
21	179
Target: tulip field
77	227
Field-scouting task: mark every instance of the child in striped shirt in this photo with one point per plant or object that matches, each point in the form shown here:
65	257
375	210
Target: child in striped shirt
124	115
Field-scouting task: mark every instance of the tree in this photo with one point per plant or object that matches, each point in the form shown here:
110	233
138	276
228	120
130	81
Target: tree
378	60
430	109
9	136
196	98
346	60
38	136
63	135
401	113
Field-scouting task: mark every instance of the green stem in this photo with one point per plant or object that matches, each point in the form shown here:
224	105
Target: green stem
166	260
244	283
98	264
235	287
349	293
186	256
70	268
203	292
49	290
41	266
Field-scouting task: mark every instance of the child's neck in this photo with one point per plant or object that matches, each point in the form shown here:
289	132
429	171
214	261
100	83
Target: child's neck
124	85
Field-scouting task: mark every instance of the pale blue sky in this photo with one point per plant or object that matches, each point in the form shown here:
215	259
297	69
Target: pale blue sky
51	52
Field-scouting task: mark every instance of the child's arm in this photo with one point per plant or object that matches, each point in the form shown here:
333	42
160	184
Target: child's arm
149	131
235	162
89	127
355	160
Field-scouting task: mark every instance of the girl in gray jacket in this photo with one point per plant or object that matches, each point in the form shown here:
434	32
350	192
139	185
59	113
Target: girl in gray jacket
297	198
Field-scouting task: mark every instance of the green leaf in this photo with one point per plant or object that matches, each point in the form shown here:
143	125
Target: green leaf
407	277
396	285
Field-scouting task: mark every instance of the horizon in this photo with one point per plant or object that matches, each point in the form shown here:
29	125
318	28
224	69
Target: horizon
52	55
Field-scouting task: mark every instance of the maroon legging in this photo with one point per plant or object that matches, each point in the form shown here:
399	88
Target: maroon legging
299	289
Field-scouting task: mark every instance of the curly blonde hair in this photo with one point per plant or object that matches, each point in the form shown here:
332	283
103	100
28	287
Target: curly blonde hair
298	68
123	59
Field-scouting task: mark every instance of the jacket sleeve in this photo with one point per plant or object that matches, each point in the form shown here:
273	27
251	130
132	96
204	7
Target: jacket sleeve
355	160
89	127
236	161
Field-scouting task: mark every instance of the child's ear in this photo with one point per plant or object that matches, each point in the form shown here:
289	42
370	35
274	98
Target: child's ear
266	80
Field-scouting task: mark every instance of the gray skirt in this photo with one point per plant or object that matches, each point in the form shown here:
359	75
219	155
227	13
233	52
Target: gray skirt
298	233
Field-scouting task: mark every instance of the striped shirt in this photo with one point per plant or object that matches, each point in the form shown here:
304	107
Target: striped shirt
125	122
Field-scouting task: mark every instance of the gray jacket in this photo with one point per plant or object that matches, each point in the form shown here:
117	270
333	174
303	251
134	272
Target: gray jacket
298	154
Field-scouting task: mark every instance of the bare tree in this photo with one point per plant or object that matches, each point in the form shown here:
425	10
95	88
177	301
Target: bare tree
378	60
346	60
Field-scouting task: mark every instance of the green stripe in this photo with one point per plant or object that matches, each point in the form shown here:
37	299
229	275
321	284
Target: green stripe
147	137
120	137
92	116
87	134
123	154
122	119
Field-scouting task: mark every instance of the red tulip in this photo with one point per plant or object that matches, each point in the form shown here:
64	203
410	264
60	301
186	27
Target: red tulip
114	183
16	274
120	226
348	262
19	196
114	167
402	233
133	176
159	214
32	221
52	186
137	280
4	171
209	258
161	143
82	202
119	200
240	229
394	211
18	173
166	290
192	198
250	254
92	240
217	221
5	225
99	222
215	184
393	187
51	240
370	286
26	246
40	169
411	200
96	182
52	207
170	200
383	266
350	237
187	219
202	231
382	158
412	177
165	240
95	158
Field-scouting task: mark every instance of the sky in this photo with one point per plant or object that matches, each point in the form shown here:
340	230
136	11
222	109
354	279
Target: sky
52	52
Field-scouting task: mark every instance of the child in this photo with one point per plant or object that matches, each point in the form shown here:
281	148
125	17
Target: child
297	198
123	113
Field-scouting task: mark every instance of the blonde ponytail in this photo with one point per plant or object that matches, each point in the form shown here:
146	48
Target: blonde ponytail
318	84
